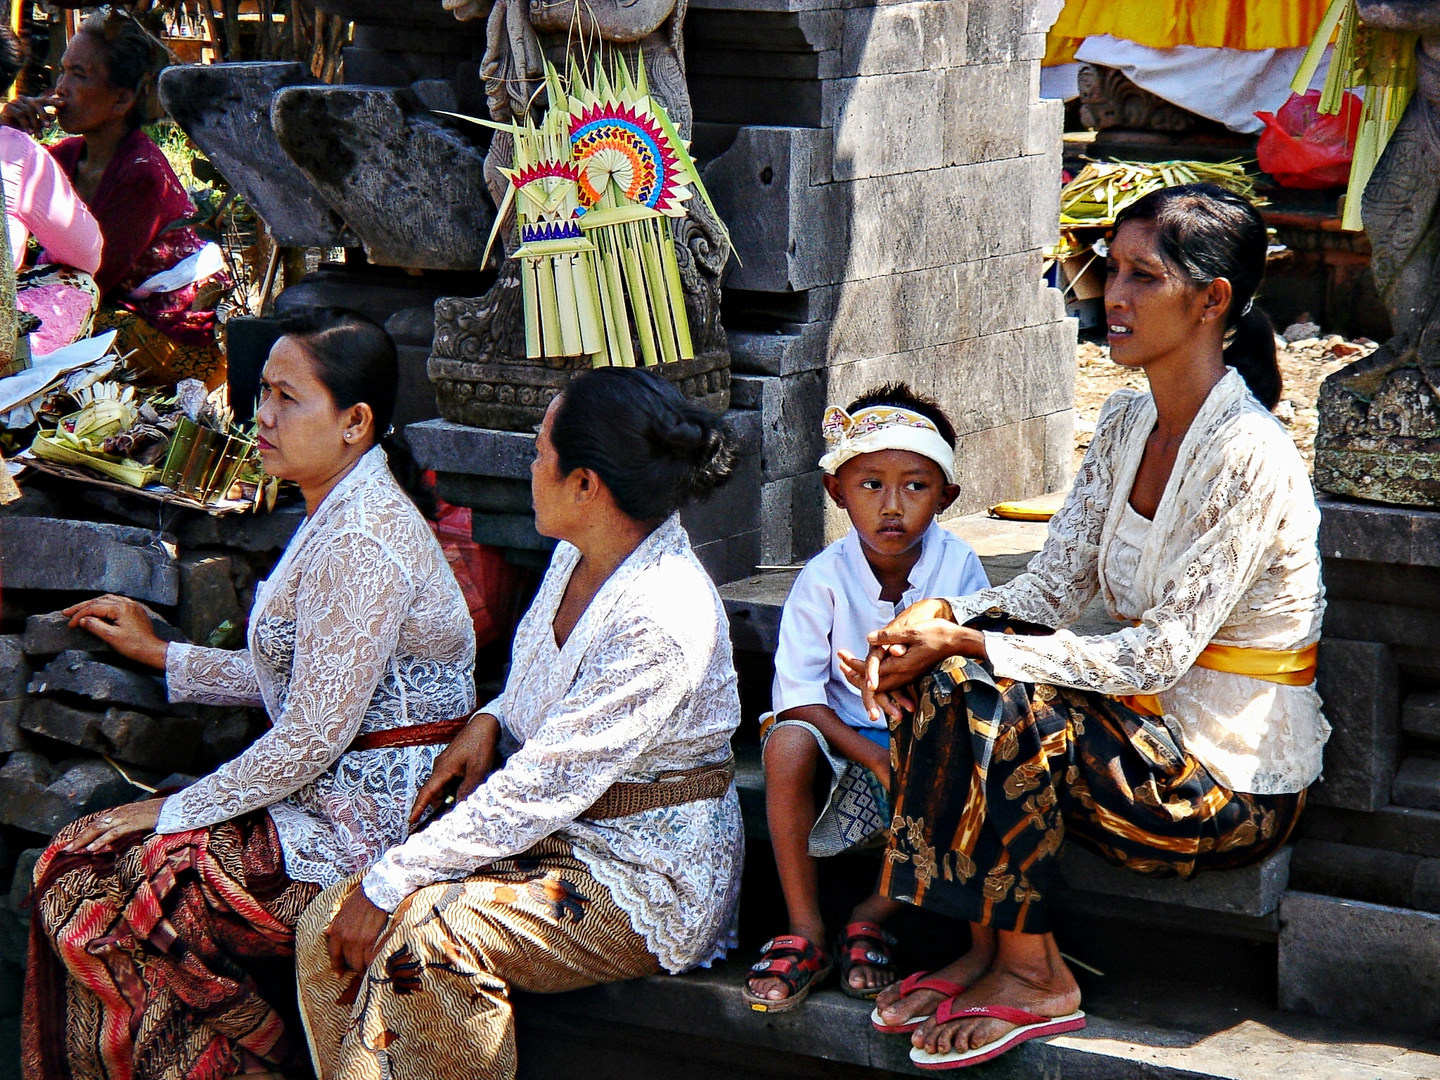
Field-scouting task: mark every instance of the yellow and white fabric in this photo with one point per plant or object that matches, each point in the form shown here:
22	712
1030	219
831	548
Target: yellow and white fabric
883	427
1230	559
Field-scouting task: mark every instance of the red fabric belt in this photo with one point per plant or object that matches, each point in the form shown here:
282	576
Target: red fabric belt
437	731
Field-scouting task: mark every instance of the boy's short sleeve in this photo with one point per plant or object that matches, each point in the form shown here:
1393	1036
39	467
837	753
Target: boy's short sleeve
972	577
803	656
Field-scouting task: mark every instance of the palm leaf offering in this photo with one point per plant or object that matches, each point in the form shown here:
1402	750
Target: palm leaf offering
596	185
1381	61
1104	188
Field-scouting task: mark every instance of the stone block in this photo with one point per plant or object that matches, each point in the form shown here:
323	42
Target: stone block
225	108
1252	890
1368	532
1002	463
792	518
993	32
508	531
885	39
487	493
730	510
76	673
1392	624
51	633
730	558
1417	783
1420	715
55	553
998	379
41	798
1357	681
14	667
1370	963
207	595
254	533
1059	450
754	605
159	744
1391	828
455	448
11	737
410	187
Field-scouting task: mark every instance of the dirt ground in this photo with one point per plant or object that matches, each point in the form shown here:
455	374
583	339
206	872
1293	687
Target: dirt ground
1305	362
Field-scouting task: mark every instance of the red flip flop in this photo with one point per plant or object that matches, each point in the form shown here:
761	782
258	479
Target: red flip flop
1028	1026
921	980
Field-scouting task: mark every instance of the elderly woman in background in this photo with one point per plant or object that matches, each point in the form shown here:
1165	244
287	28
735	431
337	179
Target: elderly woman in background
105	92
596	834
361	651
40	202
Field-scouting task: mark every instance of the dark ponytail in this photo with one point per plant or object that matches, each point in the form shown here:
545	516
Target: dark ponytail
654	450
1207	232
355	360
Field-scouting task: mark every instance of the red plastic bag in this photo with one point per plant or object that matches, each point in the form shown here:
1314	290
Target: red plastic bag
489	584
1303	148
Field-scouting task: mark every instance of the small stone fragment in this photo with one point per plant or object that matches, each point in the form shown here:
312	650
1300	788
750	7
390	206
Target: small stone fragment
48	634
1300	331
14	668
160	744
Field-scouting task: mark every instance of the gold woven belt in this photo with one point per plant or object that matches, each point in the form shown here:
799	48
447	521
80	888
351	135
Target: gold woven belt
627	797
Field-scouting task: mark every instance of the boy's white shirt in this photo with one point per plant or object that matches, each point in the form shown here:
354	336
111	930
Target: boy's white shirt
835	603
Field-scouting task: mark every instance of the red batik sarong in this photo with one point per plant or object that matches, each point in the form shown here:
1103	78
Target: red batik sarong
137	963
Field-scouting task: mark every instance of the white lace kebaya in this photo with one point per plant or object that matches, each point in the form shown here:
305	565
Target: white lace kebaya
361	627
1231	557
645	684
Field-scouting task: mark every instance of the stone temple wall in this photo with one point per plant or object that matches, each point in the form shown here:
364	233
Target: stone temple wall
889	177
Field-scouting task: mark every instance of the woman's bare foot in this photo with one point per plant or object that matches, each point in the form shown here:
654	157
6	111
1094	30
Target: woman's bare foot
967	970
1028	973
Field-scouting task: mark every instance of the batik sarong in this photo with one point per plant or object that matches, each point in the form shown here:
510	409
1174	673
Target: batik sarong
992	775
136	964
158	358
434	1004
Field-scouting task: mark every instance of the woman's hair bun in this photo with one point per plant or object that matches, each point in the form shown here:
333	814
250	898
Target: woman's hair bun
654	450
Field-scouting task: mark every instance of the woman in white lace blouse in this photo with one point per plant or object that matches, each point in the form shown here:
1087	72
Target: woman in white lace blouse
1182	743
606	843
361	650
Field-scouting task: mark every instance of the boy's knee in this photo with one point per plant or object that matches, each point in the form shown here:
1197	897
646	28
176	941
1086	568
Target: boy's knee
791	751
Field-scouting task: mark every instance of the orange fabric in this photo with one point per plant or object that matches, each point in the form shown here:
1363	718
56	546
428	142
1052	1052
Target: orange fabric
1289	667
1163	24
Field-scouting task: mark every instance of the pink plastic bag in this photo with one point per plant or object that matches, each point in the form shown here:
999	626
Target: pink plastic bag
1302	148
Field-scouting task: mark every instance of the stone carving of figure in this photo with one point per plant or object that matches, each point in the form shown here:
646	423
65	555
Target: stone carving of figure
520	36
1379	431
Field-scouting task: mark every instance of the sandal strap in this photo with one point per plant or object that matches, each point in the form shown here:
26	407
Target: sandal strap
923	980
871	930
792	959
1008	1013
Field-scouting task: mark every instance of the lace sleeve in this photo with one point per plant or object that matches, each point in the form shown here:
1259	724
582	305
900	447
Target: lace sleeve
621	705
351	600
1063	577
1234	527
210	676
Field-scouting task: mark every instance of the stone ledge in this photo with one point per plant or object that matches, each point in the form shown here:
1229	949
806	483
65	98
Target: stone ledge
1369	532
1252	890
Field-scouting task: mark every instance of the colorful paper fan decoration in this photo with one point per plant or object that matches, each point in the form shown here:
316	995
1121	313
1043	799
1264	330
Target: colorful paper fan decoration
595	186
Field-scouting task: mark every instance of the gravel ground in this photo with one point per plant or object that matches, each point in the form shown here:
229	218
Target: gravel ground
1306	359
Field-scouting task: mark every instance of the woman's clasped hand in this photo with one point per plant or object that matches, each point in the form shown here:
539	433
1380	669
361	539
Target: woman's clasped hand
914	642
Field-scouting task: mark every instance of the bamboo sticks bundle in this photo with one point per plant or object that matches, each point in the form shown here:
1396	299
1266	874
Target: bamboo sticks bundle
1381	61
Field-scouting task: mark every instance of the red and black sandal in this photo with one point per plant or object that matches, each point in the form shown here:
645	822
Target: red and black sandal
865	944
796	962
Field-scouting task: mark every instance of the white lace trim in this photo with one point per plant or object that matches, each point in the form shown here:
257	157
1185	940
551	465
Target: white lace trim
361	627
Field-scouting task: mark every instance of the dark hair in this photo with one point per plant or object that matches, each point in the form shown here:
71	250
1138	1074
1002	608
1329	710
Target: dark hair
901	396
1207	232
132	57
355	360
654	450
12	58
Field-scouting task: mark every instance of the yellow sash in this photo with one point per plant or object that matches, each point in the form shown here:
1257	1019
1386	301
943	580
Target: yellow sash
1289	667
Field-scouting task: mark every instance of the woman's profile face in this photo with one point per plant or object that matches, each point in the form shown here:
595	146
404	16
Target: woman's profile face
84	99
1151	308
300	432
547	486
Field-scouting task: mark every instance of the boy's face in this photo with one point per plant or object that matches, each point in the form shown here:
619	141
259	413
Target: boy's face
891	497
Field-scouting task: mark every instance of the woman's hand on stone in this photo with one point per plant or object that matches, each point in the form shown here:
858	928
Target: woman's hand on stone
466	762
355	932
123	624
109	826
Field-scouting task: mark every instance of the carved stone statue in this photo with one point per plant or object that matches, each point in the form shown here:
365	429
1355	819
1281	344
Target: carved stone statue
1108	99
479	365
1379	430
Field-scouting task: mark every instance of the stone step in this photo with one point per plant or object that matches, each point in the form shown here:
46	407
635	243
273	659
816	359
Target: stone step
696	1026
1420	715
1417	784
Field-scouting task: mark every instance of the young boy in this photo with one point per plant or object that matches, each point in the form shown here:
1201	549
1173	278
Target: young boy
891	468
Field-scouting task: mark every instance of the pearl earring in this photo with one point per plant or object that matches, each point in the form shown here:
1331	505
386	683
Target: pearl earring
349	435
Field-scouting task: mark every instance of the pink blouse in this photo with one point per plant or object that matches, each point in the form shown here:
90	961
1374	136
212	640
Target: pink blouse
40	201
